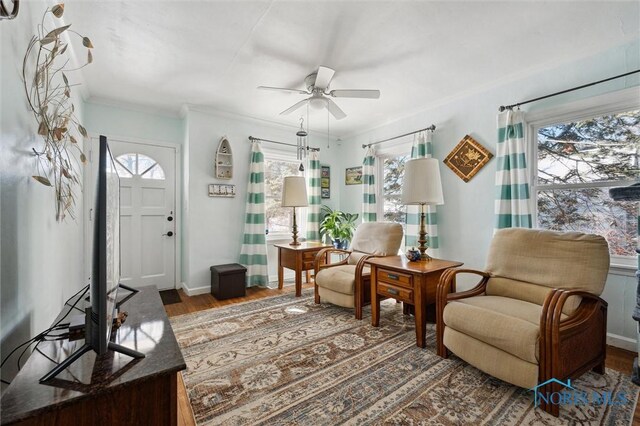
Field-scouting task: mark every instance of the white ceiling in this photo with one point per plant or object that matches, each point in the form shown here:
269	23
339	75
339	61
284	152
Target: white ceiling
213	54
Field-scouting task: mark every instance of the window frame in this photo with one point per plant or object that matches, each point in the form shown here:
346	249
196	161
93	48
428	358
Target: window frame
301	212
610	103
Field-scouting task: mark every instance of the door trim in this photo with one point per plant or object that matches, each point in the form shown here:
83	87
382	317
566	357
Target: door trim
177	194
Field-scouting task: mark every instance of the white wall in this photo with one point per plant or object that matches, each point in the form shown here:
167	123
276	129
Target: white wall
41	260
465	222
215	225
132	123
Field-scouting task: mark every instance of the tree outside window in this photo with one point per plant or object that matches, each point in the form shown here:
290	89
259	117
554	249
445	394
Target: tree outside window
578	162
279	219
393	172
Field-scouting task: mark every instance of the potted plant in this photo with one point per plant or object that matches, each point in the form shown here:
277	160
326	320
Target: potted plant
338	226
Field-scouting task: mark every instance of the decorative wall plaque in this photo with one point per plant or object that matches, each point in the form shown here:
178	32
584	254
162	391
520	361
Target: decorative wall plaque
467	158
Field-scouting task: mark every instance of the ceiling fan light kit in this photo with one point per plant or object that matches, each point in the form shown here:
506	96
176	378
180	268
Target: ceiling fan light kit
317	85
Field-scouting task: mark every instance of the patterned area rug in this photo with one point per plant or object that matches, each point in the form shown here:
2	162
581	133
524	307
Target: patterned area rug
288	361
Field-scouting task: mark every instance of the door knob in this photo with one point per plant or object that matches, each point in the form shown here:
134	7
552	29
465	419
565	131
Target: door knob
170	218
168	234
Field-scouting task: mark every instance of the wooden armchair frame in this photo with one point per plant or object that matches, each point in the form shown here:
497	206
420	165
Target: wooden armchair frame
569	346
362	292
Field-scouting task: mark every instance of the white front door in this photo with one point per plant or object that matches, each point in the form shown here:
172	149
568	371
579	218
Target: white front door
147	213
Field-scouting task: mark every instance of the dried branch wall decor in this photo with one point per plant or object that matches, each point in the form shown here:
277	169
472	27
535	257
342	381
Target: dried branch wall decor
45	71
4	11
467	158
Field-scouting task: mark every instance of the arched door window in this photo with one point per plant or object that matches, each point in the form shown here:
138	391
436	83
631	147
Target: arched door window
134	164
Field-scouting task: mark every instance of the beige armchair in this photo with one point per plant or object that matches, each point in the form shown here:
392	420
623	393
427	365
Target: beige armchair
536	313
347	283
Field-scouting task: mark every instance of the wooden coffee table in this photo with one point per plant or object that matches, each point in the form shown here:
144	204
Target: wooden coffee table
299	258
413	283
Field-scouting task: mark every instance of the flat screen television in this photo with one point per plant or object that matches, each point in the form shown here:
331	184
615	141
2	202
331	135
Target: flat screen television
105	265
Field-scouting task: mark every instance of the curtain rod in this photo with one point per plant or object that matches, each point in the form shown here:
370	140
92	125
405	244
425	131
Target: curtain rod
252	139
432	128
503	107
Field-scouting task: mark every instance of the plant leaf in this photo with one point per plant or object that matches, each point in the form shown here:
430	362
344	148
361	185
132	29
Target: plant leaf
89	57
83	158
72	139
64	49
47	40
57	133
64	78
87	43
43	180
57	31
82	130
67	93
42	129
58	10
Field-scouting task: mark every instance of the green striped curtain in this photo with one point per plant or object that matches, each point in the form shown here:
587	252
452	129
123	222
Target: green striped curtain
369	205
512	206
313	192
253	254
422	147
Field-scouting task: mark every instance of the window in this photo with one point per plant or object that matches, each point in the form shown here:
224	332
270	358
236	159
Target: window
279	219
390	207
132	164
578	160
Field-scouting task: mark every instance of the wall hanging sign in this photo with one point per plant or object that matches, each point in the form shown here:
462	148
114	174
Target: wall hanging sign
353	176
467	158
325	182
218	190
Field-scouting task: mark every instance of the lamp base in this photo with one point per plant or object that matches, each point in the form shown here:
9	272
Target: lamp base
422	237
295	241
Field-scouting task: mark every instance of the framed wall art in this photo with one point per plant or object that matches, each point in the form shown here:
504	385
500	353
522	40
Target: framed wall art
325	182
353	176
467	158
222	190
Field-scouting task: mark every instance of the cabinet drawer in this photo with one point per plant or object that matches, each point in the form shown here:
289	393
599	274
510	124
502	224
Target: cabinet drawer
309	255
395	278
400	293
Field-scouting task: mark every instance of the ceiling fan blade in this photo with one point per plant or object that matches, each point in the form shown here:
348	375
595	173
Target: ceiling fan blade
282	89
323	77
296	106
355	93
335	110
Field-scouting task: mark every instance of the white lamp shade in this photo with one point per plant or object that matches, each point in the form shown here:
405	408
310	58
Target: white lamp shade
294	192
421	183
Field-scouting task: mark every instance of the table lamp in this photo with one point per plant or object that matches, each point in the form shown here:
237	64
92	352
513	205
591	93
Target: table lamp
422	186
294	194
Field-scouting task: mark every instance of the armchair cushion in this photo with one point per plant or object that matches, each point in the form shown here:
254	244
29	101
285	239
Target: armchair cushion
378	238
341	279
550	259
511	325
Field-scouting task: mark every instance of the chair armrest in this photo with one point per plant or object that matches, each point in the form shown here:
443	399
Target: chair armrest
558	335
322	254
445	292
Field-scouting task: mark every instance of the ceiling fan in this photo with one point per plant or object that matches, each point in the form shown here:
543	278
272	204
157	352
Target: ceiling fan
318	87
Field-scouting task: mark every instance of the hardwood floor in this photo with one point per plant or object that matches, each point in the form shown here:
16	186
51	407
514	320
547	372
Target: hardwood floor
617	359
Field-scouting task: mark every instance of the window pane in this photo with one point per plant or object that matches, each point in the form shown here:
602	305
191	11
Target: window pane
599	149
591	210
394	210
126	165
279	219
393	174
155	172
144	163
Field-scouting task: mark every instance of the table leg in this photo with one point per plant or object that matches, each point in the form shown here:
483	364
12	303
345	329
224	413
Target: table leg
375	300
298	282
280	272
419	312
308	277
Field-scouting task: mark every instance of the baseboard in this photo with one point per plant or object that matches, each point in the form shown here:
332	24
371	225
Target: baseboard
622	342
196	290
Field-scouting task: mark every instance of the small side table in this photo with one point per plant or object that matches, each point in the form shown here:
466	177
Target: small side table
413	283
299	258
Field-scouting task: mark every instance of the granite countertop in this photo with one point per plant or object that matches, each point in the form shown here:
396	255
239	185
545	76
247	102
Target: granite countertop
146	329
